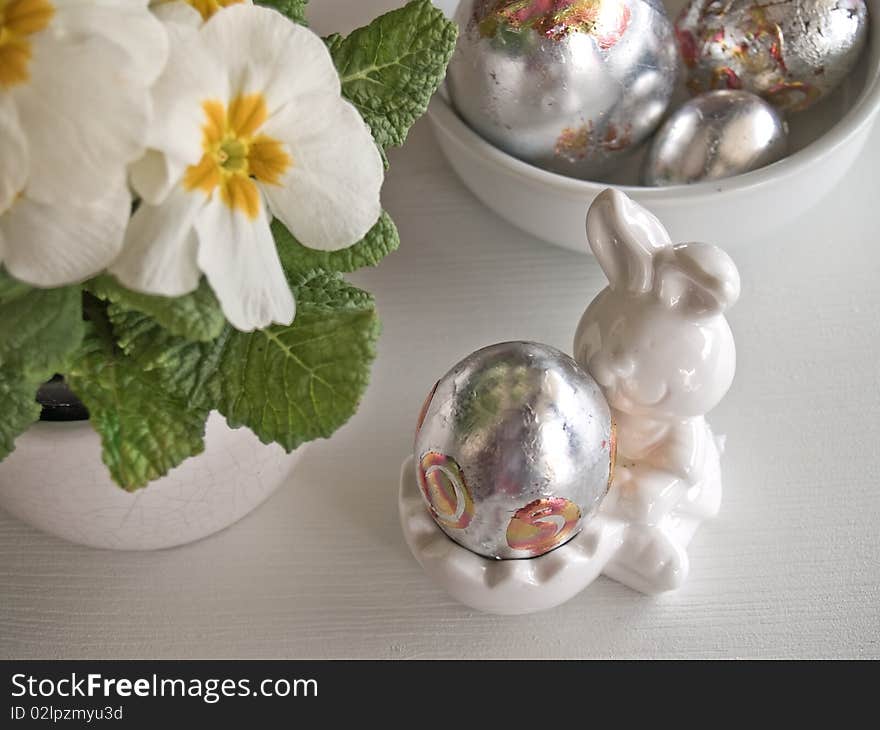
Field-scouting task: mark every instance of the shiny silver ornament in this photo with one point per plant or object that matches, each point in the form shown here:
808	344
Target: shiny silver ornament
567	85
791	52
514	450
715	135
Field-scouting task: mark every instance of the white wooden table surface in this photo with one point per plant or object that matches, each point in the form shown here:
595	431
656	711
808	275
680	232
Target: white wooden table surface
790	568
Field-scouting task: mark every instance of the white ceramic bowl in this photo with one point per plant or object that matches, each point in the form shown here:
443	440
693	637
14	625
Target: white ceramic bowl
824	143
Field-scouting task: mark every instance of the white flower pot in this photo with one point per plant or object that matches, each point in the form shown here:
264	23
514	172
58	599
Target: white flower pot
55	481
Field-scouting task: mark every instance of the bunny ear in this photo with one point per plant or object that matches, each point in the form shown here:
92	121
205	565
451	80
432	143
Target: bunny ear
697	278
624	236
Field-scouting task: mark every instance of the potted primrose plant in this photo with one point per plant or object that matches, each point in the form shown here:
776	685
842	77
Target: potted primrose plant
183	186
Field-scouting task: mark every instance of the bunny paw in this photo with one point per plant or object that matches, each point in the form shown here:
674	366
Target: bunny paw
649	561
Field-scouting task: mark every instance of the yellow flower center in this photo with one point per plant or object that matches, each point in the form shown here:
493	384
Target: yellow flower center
208	7
20	19
235	157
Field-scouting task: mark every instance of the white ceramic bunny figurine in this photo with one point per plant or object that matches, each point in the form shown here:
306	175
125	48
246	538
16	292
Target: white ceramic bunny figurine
657	342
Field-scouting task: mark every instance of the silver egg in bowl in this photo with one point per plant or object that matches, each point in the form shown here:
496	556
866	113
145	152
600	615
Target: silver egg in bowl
824	143
793	53
567	85
514	450
713	136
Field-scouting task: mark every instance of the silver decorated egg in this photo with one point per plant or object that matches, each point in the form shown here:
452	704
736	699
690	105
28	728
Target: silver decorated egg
791	52
514	450
715	135
567	85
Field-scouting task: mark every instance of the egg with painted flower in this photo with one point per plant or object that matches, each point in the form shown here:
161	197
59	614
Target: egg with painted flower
567	85
514	450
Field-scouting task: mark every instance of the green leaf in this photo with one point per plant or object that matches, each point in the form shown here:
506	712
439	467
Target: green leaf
195	316
184	368
40	329
300	262
145	429
328	292
11	288
19	406
294	384
289	384
391	68
293	9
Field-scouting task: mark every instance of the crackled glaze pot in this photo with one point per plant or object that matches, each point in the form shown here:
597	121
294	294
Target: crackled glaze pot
55	481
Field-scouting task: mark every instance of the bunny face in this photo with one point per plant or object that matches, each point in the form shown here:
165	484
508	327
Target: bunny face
651	361
656	339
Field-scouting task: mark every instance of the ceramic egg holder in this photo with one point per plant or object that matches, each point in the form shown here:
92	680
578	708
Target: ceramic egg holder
657	343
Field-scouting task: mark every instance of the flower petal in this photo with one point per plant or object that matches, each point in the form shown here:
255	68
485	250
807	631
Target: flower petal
127	23
84	120
176	12
64	243
191	77
239	258
159	255
154	175
280	59
329	196
13	153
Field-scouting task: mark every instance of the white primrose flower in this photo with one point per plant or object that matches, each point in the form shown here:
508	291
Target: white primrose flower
250	123
74	110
